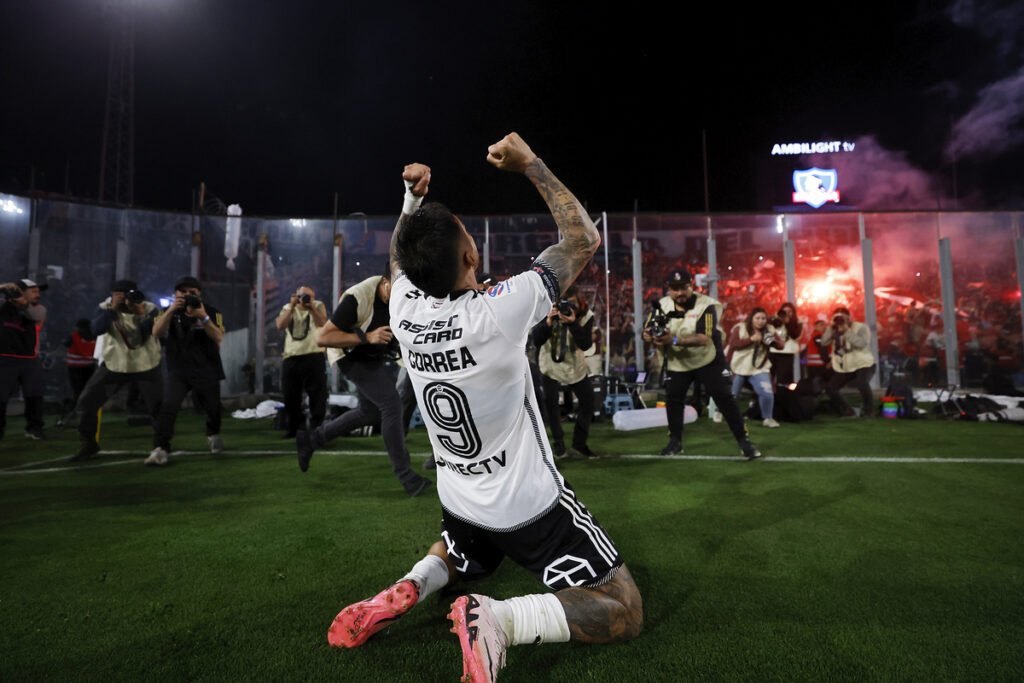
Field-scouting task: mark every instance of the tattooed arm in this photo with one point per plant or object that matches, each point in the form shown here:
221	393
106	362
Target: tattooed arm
580	238
610	613
419	177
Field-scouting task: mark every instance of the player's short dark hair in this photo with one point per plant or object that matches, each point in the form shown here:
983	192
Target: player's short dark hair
427	249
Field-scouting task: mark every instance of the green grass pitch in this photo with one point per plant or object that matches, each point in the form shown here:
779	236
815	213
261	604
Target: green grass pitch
232	566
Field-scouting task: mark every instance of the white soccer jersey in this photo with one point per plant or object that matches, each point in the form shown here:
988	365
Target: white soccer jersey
467	360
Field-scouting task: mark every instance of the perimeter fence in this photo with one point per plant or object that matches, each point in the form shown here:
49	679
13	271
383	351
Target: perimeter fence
940	291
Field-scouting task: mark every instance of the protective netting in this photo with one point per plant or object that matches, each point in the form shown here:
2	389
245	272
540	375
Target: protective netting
80	249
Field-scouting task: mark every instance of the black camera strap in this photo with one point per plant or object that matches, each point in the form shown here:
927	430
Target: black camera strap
305	328
559	341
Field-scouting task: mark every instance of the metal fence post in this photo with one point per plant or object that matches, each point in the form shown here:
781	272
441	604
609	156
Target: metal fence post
949	312
487	245
122	259
1018	244
789	264
607	300
336	283
638	304
262	246
870	313
34	239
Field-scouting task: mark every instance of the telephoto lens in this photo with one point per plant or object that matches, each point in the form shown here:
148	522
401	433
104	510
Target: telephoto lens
305	298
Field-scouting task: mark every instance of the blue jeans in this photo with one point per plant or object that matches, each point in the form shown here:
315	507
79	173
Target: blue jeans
762	385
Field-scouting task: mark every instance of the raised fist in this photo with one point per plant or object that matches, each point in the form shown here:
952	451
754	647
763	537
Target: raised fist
511	153
419	176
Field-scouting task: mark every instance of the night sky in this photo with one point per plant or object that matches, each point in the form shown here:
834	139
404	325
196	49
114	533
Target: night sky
277	106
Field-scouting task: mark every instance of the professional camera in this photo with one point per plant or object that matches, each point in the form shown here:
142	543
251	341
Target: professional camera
193	301
768	338
776	321
658	323
134	296
565	307
840	319
305	298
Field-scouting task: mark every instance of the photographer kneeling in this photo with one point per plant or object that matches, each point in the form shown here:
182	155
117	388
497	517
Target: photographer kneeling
130	354
750	342
561	340
193	332
852	362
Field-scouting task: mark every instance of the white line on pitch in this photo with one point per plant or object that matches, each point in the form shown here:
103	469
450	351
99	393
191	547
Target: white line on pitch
25	468
833	458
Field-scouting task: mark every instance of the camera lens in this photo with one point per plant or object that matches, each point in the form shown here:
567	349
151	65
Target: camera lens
305	298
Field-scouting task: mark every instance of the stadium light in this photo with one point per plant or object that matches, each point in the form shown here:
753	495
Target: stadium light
8	206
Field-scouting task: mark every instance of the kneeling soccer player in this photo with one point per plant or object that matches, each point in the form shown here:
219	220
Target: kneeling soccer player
500	492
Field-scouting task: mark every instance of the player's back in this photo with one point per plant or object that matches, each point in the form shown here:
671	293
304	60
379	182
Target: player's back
466	357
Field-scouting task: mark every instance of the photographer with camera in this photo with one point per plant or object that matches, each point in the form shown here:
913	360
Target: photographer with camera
130	354
561	340
191	331
684	327
789	330
750	345
21	317
303	368
852	362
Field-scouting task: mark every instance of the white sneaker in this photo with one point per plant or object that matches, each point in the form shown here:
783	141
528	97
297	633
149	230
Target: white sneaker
769	422
716	417
216	445
158	456
481	638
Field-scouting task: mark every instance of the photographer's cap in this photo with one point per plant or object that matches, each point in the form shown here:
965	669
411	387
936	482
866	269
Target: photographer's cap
29	284
124	286
187	281
678	278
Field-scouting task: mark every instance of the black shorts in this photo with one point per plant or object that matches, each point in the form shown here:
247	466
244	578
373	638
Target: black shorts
564	548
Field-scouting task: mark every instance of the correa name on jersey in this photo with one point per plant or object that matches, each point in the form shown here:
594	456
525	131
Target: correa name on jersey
473	468
440	361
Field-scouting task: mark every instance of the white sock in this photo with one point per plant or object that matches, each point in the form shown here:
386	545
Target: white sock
532	619
430	574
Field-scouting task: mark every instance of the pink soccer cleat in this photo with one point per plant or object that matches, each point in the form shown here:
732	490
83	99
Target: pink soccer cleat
356	623
482	640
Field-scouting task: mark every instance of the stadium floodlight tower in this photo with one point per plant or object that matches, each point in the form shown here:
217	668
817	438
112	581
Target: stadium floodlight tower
117	156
